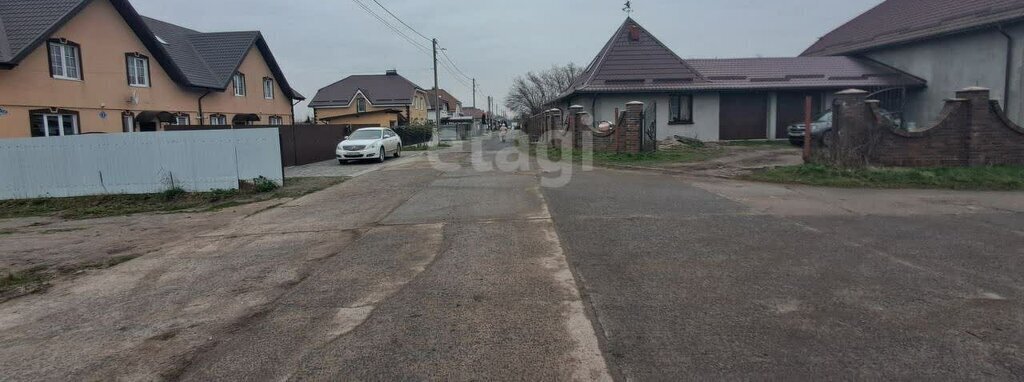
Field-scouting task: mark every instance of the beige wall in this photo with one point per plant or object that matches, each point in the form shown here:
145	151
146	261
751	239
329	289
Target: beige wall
417	111
105	38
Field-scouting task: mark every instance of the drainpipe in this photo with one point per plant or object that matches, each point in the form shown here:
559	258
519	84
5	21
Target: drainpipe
1008	70
201	120
293	109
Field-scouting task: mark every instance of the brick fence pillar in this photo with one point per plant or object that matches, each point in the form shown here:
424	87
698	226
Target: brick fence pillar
851	125
631	126
980	118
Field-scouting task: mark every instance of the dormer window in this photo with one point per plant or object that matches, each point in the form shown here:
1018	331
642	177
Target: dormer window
65	60
361	105
239	83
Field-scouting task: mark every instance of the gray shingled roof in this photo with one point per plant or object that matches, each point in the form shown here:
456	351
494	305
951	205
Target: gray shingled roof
649	66
23	21
380	89
192	58
902	21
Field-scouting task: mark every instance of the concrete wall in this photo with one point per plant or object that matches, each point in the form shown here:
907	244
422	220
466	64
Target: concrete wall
137	162
956	62
105	37
705	112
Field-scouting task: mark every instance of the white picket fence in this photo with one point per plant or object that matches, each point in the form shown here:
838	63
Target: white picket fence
135	163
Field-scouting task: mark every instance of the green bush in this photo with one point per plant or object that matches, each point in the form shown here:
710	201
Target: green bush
262	184
172	193
415	134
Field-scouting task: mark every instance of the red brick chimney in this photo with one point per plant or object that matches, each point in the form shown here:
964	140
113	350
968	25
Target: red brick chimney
634	33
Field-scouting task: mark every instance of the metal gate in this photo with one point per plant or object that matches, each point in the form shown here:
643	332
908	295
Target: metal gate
649	129
892	101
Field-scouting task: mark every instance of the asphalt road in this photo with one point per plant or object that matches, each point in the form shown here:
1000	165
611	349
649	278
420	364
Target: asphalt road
437	268
741	281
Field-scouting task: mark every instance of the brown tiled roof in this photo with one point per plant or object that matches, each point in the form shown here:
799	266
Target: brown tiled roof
446	97
473	112
380	89
648	66
642	64
902	21
799	72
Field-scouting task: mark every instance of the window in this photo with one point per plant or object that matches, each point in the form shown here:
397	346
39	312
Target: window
680	109
181	119
218	119
65	60
48	124
138	70
276	121
239	81
360	105
268	88
127	123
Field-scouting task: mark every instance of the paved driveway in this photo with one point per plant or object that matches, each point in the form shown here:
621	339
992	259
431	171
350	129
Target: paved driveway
332	168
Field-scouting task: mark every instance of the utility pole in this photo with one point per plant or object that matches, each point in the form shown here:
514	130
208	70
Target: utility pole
437	102
474	93
490	110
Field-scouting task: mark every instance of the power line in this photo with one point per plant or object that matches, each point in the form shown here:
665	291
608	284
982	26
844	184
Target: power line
393	28
400	20
445	54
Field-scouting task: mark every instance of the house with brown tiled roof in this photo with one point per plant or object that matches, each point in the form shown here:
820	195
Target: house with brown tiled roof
951	44
368	100
717	99
451	107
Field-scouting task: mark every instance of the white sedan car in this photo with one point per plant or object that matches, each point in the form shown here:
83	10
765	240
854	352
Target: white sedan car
369	143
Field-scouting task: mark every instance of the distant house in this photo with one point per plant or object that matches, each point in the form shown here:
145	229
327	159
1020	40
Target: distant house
451	107
96	66
951	44
383	100
472	112
716	99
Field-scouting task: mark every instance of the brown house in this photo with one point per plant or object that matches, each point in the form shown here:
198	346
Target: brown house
97	66
383	100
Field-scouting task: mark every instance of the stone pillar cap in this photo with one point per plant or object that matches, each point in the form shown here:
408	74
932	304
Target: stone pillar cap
634	103
975	89
576	107
852	92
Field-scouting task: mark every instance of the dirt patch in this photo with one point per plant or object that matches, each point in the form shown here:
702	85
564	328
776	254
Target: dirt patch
733	160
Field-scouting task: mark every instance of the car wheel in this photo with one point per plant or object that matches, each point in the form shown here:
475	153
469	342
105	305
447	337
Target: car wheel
342	162
398	151
380	158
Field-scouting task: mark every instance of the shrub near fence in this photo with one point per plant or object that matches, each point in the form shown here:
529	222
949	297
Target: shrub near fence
414	134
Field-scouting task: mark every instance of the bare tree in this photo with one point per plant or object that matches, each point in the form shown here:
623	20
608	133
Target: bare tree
532	91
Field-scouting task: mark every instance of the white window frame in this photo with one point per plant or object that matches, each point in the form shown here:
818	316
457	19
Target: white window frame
182	117
275	120
268	88
133	65
218	119
238	80
60	123
61	61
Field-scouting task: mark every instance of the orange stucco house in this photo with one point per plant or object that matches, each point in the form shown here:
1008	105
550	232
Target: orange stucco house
97	66
384	100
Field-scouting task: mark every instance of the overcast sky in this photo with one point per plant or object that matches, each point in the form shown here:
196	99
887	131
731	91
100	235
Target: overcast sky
318	42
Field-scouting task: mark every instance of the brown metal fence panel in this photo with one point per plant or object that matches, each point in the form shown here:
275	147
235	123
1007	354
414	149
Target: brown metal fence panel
300	144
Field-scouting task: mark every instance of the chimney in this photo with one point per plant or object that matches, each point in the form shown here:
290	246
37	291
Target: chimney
634	33
392	72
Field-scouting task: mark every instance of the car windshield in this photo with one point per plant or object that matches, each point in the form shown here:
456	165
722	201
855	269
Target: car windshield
827	117
366	134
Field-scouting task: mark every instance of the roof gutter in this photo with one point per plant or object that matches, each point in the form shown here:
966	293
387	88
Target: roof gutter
293	108
1009	66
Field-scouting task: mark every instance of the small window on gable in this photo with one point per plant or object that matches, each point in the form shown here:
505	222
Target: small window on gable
239	84
138	70
361	105
268	88
65	60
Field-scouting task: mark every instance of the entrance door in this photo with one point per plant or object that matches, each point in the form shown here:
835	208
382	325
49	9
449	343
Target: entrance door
743	116
791	110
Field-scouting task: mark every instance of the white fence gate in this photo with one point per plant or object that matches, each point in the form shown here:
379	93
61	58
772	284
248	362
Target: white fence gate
135	163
